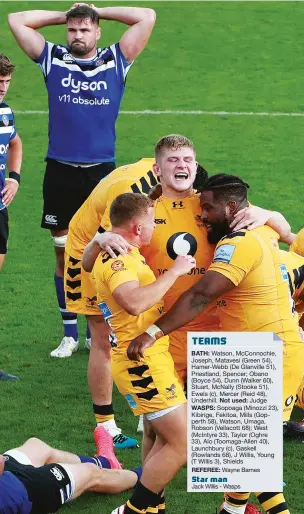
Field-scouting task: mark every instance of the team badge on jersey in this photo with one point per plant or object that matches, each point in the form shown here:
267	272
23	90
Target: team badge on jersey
117	265
99	62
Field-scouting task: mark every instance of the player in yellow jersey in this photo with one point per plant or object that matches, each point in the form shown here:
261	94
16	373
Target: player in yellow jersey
296	428
130	299
249	279
80	291
178	231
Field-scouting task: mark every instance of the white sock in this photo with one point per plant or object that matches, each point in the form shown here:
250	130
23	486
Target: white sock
111	427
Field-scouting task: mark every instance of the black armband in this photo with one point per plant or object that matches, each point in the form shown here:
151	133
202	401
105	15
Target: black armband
14	175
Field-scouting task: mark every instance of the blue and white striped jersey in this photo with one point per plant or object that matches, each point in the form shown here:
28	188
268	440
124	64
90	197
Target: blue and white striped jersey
7	133
84	98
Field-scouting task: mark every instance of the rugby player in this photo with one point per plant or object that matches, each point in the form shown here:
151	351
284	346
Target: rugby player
11	154
178	231
130	299
85	86
248	275
36	478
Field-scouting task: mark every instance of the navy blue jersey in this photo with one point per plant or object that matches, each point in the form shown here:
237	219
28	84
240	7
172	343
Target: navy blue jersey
7	133
84	98
13	495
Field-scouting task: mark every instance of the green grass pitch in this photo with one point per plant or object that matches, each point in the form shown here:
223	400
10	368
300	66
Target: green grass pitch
209	56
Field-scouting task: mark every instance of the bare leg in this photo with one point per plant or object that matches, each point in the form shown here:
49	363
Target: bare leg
90	478
148	441
99	369
2	257
41	453
161	467
59	253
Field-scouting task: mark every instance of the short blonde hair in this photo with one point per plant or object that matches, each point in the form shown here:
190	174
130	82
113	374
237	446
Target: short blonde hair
173	141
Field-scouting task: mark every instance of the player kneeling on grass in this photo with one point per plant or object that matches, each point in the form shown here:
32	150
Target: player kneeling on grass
38	479
130	298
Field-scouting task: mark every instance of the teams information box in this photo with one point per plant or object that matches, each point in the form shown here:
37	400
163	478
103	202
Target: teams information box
235	430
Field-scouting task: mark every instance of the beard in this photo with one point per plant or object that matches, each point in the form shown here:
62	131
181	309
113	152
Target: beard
219	230
80	50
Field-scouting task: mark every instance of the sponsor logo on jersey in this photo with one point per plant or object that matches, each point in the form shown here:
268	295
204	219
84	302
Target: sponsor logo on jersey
224	253
91	302
178	205
171	392
289	401
78	85
51	219
5	120
2	167
57	473
131	401
181	243
68	58
3	149
160	221
284	272
106	312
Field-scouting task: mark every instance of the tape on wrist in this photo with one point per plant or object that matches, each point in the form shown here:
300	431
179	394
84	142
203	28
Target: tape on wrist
155	332
14	176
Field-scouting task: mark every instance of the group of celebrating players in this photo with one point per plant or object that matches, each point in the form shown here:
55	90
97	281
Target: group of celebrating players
147	252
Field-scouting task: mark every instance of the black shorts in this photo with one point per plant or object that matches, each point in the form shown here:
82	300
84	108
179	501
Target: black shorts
65	188
48	487
3	231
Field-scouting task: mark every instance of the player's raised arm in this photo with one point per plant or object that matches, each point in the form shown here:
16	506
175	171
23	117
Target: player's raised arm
253	217
141	21
24	27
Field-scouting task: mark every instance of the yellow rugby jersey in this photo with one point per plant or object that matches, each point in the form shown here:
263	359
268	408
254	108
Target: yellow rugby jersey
108	274
136	178
298	244
179	231
261	300
295	268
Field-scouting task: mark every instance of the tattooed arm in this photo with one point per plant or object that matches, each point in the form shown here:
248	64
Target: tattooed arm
188	306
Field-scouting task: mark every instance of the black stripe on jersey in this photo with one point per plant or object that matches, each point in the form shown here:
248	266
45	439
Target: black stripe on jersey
73	272
139	370
148	395
142	382
85	66
144	187
9	124
73	296
74	261
235	234
73	284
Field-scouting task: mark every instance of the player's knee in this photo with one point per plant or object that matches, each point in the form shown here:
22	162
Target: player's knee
60	241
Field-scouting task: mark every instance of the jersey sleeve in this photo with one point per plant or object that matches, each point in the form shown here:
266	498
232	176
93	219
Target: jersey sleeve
120	271
123	186
122	65
14	130
236	255
44	61
298	244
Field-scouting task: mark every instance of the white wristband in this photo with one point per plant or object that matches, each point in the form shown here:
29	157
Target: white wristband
155	332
